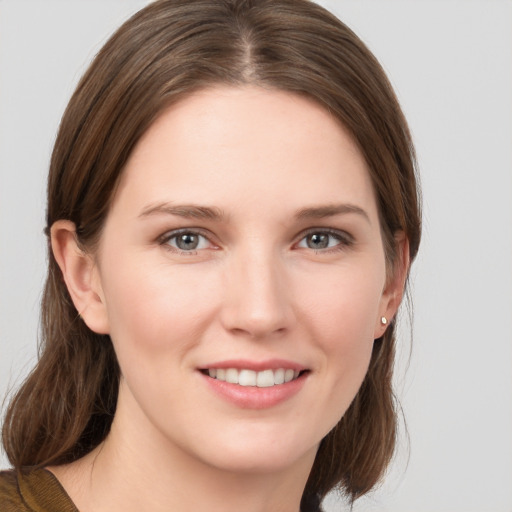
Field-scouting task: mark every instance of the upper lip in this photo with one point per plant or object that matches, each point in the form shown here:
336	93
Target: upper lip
257	366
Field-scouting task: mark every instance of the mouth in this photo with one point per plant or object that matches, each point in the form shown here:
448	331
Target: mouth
250	378
255	385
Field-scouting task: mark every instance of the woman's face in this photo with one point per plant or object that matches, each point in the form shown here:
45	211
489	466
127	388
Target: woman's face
242	249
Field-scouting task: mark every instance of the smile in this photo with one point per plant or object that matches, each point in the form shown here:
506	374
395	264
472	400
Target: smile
255	384
261	379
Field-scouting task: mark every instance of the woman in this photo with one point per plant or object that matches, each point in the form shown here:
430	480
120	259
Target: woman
232	213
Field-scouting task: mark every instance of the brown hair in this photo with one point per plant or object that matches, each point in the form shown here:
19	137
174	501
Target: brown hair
163	53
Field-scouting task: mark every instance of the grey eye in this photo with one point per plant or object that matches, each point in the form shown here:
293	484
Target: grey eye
188	241
318	240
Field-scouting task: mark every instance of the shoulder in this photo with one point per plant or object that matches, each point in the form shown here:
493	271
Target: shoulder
10	495
32	491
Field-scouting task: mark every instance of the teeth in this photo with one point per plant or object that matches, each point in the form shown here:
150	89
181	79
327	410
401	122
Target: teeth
288	375
279	376
263	379
232	375
247	378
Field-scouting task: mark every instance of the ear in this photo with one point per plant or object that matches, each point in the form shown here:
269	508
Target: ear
80	275
395	285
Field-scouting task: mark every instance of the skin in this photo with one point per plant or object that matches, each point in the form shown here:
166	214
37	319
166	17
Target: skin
257	287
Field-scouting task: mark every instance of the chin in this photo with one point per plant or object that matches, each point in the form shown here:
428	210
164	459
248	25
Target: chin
259	453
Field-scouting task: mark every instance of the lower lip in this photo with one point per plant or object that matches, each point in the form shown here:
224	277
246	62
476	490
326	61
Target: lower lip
252	397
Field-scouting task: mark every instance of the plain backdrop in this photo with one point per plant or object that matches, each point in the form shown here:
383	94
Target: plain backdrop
451	64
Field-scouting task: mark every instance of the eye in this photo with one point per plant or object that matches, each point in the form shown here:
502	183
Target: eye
186	241
319	240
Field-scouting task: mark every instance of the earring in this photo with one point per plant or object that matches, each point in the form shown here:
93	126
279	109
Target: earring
383	320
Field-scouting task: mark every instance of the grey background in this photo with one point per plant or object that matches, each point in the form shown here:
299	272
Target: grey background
451	64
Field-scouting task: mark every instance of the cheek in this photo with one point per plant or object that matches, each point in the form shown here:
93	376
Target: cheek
157	308
344	308
342	319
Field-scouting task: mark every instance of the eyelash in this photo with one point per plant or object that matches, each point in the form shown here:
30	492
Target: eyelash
165	240
344	239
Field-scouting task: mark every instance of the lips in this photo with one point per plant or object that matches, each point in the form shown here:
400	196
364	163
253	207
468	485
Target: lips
255	385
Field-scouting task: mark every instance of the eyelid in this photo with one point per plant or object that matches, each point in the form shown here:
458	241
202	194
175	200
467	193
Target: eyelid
345	238
169	235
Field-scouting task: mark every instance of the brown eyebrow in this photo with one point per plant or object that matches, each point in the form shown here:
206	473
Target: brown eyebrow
192	211
320	212
189	211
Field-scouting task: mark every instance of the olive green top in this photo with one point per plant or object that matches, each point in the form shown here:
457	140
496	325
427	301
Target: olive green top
33	491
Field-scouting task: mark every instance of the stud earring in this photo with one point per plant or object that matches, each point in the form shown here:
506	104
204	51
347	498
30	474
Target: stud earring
383	320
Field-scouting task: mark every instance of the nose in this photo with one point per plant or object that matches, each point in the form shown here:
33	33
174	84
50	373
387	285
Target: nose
256	297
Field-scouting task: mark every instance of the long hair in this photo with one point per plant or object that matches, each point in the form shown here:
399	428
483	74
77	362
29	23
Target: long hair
163	53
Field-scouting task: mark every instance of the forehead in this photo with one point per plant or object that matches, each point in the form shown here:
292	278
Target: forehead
247	141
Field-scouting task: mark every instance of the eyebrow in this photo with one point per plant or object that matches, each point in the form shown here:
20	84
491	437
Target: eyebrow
192	211
321	212
188	211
